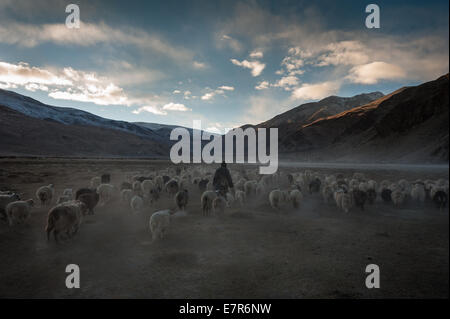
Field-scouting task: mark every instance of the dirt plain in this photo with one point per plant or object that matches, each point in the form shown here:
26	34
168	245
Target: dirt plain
315	251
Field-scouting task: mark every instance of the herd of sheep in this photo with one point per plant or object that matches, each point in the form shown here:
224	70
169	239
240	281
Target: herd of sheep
281	190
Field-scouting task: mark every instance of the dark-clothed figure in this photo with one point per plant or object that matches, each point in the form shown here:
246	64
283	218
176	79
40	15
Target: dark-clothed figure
222	179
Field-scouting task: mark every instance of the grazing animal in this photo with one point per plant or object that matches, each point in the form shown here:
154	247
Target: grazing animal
17	212
371	196
106	193
137	204
5	199
386	195
126	195
240	197
159	223
89	197
68	192
219	204
181	199
202	184
398	197
45	194
275	198
63	198
440	198
359	198
172	187
126	185
65	219
105	178
95	182
295	196
207	201
314	186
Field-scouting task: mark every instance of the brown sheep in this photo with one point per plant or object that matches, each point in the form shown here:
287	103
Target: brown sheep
65	218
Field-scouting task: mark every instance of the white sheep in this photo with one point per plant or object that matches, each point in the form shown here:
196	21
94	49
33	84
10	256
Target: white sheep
219	204
18	211
398	197
63	199
250	188
137	204
276	197
230	199
159	223
146	186
126	195
240	197
344	201
5	199
418	193
181	199
106	193
295	197
45	194
96	181
207	201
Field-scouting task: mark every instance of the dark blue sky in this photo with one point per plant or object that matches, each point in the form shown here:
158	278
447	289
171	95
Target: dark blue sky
223	62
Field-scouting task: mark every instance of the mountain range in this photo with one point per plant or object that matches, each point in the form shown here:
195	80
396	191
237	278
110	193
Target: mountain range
408	125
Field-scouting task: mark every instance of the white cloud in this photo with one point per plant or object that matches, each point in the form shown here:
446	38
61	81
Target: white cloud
28	35
315	91
286	82
176	92
226	88
373	72
256	67
149	109
176	107
23	74
262	85
344	53
207	96
256	54
226	40
199	65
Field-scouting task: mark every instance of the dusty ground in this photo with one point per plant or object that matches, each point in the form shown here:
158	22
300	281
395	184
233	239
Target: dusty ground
314	252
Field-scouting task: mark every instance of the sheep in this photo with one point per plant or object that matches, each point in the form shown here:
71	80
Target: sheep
146	186
240	197
359	198
159	182
159	223
202	184
181	199
219	203
275	198
5	199
137	204
63	199
440	198
295	196
89	197
327	194
250	188
18	211
207	201
95	182
137	189
345	202
260	189
45	194
105	179
371	196
172	187
68	192
314	186
418	193
386	195
126	195
65	218
230	199
106	192
398	197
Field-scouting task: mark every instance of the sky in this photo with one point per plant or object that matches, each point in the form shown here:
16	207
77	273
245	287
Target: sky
226	63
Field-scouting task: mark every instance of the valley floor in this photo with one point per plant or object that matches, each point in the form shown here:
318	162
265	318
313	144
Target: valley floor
252	252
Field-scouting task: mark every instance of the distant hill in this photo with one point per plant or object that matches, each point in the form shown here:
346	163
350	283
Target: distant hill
408	125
